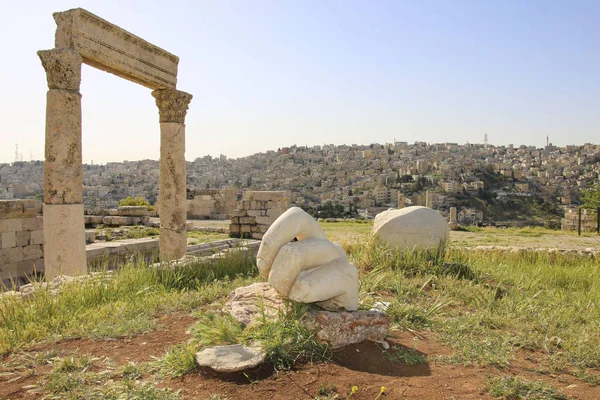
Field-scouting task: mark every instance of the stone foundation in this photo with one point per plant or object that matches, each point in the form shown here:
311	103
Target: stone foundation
256	212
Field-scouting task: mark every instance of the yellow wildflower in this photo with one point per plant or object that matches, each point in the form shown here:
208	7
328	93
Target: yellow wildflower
383	389
354	389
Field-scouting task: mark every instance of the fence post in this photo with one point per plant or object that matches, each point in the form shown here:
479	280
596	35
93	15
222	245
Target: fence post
598	219
579	221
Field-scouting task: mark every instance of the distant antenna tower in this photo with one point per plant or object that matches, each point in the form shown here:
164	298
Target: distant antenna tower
485	139
30	155
547	140
16	152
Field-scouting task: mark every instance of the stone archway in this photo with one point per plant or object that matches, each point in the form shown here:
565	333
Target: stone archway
82	37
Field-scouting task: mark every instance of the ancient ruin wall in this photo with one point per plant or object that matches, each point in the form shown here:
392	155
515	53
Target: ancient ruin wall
256	212
211	203
21	240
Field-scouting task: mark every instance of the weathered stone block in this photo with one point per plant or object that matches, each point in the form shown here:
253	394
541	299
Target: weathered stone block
231	358
245	229
257	235
31	208
23	238
255	213
247	304
36	237
247	220
11	255
64	240
11	225
19	208
8	271
32	252
10	209
110	48
172	244
265	220
339	329
9	239
275	212
121	221
235	220
133	211
32	224
25	267
63	171
39	265
234	228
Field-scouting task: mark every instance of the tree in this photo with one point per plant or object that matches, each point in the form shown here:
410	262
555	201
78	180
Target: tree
591	198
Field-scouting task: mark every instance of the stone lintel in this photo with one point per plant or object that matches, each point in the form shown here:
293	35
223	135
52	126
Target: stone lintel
110	48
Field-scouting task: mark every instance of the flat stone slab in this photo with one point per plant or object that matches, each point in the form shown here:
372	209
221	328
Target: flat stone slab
340	329
248	303
232	358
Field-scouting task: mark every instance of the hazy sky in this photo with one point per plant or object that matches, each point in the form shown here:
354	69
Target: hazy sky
267	74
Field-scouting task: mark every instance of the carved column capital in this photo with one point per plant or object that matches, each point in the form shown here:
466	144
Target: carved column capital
172	104
63	68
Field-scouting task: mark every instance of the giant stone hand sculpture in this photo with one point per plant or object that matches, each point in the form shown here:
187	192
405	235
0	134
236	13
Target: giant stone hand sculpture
312	269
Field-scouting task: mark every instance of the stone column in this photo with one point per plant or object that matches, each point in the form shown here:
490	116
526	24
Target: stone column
428	199
400	200
172	108
64	231
453	214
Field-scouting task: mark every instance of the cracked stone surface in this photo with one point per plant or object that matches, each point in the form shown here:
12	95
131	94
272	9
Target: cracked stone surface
246	304
340	329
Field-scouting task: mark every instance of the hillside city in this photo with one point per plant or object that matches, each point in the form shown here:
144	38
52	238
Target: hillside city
488	184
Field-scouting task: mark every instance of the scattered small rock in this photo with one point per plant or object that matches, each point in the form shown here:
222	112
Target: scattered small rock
232	358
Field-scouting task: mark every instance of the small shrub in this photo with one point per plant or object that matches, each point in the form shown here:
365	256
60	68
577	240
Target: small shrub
179	360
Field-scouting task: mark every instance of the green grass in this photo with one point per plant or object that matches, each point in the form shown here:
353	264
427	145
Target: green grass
516	388
284	339
486	306
179	360
123	305
489	305
132	232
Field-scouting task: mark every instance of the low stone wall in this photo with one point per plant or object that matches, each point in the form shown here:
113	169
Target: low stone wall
122	216
21	240
256	212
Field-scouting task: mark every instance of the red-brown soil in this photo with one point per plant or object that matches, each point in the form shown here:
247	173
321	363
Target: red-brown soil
362	365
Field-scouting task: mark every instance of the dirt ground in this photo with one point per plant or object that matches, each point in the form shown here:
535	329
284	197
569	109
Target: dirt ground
362	365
